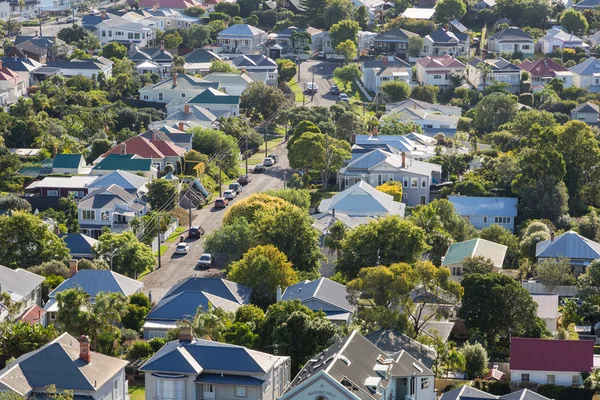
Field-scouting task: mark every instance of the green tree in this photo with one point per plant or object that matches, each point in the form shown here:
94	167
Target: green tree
162	194
211	323
114	50
478	265
344	31
337	11
240	334
231	9
194	11
14	203
221	66
99	147
574	21
233	239
19	338
173	41
476	360
262	100
393	188
501	235
263	269
313	12
362	17
494	110
347	49
129	256
415	44
448	10
298	197
545	198
286	69
212	142
554	272
483	68
347	73
395	91
426	93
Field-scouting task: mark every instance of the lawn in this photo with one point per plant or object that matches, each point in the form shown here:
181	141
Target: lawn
137	392
296	89
163	249
260	155
175	235
354	93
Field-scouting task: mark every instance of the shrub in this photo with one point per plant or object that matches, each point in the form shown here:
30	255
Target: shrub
157	343
128	335
139	349
565	393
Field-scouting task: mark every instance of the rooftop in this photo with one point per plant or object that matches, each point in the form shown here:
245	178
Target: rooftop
323	289
487	206
551	355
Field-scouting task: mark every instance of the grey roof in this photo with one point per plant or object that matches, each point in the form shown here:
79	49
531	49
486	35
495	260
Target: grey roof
20	64
497	64
241	30
216	286
78	243
560	35
206	356
184	82
394	35
254	60
588	67
106	197
149	53
390	61
123	179
101	280
91	64
18	282
362	199
512	34
323	221
523	394
322	289
197	113
587	107
377	156
489	206
393	342
441	36
418	104
58	363
570	245
466	392
201	56
460	27
225	78
586	4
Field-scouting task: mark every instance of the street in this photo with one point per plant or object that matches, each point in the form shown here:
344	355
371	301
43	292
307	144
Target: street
323	77
178	267
50	28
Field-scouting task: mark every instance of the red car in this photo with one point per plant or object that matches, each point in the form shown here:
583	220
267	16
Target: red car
221	202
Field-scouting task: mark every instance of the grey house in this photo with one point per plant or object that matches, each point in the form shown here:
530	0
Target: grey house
393	42
587	112
23	286
392	343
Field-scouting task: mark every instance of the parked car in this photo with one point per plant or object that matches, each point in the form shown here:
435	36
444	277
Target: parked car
71	19
221	202
236	187
259	168
196	232
275	157
334	89
344	97
244	180
312	87
182	248
321	54
205	260
268	162
229	194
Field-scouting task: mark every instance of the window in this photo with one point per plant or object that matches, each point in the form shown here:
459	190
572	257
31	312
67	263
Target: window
129	35
485	220
116	390
88	214
103	33
182	94
145	97
208	388
423	182
575	380
414	182
437	77
551	379
240	391
160	97
136	35
119	33
405	182
525	47
422	200
424	383
170	389
105	215
53	193
502	220
525	378
109	33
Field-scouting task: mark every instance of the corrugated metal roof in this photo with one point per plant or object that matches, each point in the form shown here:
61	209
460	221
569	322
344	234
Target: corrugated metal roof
19	281
96	281
230	379
362	199
570	245
485	206
322	289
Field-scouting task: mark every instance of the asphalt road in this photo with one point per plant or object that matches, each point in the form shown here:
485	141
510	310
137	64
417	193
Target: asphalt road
48	29
323	77
178	267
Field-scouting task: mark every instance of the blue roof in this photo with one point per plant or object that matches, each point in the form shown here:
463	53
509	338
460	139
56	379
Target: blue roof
241	30
179	306
216	286
588	67
78	243
323	289
230	379
96	281
571	245
486	206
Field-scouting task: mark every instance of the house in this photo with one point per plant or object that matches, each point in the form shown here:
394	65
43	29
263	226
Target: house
586	75
419	13
502	71
258	67
442	42
4	10
427	120
199	61
148	57
466	392
24	66
512	40
387	69
394	42
218	103
179	5
87	67
241	39
485	4
178	87
79	245
552	362
92	281
486	211
547	310
189	367
22	286
182	301
324	295
35	47
579	250
67	364
458	252
544	70
594	39
161	152
231	83
362	200
125	162
321	41
438	70
111	207
13	84
559	39
190	116
288	41
131	183
57	187
587	112
392	343
422	105
374	7
119	29
354	368
586	5
69	164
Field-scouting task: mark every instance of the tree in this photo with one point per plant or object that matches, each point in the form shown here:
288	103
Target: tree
499	234
19	338
251	206
233	239
494	110
574	21
194	11
476	360
362	17
384	241
262	100
448	10
395	91
286	69
347	73
26	241
240	334
211	323
337	11
344	31
298	197
231	9
221	66
313	12
173	41
162	194
426	93
128	255
14	203
554	272
545	198
484	70
114	50
393	188
477	265
212	142
415	44
263	269
99	147
347	49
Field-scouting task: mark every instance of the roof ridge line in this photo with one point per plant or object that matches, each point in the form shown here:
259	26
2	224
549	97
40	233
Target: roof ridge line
339	353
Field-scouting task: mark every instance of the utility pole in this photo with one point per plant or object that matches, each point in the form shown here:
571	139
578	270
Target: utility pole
220	181
266	145
112	254
40	20
312	92
158	235
189	210
299	69
284	176
246	154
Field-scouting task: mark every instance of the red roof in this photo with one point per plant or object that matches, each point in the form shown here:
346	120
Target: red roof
445	61
177	4
551	355
8	74
168	148
542	67
32	315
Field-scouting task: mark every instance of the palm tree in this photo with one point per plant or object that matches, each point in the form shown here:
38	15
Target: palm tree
178	65
485	70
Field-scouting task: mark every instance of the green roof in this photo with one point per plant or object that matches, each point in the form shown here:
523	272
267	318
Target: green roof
212	96
124	162
457	252
67	161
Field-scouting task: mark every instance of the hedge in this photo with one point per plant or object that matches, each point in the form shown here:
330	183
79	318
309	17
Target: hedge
565	393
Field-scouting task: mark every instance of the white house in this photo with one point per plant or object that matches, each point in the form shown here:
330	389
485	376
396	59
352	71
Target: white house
438	70
86	67
587	112
241	39
511	40
419	13
12	84
586	75
502	71
547	310
180	87
218	103
385	69
258	67
458	252
230	82
443	42
24	287
422	105
117	29
374	7
424	119
4	10
486	211
559	39
544	70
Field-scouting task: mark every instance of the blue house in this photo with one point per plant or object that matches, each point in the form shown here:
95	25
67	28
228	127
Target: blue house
579	250
79	245
486	211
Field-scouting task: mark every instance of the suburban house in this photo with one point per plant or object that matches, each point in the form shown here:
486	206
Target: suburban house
218	103
131	183
425	14
586	75
586	5
231	83
92	281
427	120
151	56
394	42
199	61
362	200
485	4
125	162
22	286
438	70
512	40
587	112
79	245
321	41
288	41
393	343
552	362
24	66
457	252
378	166
4	10
324	295
56	187
258	67
89	67
544	70
176	136
442	42
68	364
466	392
111	207
177	87
579	250
387	69
354	368
36	47
13	84
422	105
374	7
69	164
415	145
189	368
486	211
161	152
182	301
502	71
189	117
119	29
547	310
179	5
559	39
241	39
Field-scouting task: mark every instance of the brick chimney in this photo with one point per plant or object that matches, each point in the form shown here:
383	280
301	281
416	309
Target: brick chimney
154	137
103	14
551	236
155	6
185	334
123	147
384	60
375	131
186	108
54	148
180	126
403	160
84	349
162	45
73	269
175	79
243	70
353	139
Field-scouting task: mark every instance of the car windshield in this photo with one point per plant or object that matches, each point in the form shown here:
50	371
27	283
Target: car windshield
181	246
205	257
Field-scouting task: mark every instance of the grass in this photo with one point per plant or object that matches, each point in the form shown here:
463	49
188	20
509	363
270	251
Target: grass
354	93
175	235
163	249
260	155
137	392
296	89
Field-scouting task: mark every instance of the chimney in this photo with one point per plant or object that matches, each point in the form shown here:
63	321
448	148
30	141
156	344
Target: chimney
123	147
84	349
54	148
185	334
353	139
186	108
333	212
180	126
243	70
375	131
551	236
279	293
175	79
155	6
73	269
403	160
154	137
162	45
103	14
384	60
0	64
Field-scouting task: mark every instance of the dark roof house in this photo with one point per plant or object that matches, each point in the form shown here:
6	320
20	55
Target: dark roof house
393	342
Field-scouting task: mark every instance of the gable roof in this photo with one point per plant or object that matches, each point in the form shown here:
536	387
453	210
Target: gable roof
216	286
457	252
442	36
588	67
68	161
322	289
418	13
542	67
445	61
558	34
362	199
145	148
487	206
587	107
373	158
101	280
497	64
386	61
182	82
69	182
254	60
19	283
393	342
196	113
418	104
213	96
106	197
466	392
241	30
551	355
123	179
78	243
201	56
20	64
512	34
127	162
394	35
228	78
571	245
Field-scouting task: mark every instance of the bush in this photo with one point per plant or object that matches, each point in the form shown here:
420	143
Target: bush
527	99
157	343
128	335
493	387
139	349
565	393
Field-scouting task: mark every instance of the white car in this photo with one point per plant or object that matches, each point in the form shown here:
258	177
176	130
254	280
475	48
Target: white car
268	162
229	194
182	248
205	260
312	87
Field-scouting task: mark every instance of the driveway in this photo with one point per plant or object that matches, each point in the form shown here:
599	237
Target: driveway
323	77
178	267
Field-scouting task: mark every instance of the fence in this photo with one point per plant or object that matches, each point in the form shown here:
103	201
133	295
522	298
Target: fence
534	287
